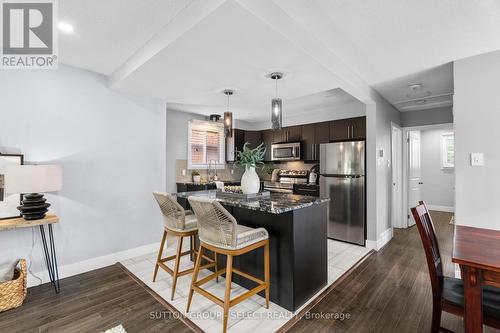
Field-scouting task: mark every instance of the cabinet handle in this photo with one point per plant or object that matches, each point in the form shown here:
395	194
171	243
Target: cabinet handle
348	129
352	131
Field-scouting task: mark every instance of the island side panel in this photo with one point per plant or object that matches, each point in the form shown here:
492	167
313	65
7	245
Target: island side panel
311	251
280	229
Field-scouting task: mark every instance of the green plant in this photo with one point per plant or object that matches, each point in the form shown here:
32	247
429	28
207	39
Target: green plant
251	157
195	173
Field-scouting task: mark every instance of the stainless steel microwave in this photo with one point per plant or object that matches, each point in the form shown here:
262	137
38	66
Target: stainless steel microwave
289	151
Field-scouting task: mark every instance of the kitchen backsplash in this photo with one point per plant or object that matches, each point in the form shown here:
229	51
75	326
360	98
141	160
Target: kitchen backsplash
234	172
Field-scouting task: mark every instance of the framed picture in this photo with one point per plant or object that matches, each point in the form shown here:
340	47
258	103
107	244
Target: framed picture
9	202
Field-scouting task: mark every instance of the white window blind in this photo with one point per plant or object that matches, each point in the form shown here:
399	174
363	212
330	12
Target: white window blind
206	143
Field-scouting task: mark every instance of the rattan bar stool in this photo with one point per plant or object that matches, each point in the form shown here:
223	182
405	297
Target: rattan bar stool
179	223
220	233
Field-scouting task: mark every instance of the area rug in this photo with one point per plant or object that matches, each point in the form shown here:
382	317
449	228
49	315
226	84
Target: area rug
117	329
248	316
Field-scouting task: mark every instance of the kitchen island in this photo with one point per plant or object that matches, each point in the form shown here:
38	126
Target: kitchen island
297	227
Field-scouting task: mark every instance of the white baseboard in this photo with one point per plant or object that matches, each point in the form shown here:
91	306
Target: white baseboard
449	209
94	263
384	238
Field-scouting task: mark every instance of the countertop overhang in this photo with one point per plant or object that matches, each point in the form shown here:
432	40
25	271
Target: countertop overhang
277	203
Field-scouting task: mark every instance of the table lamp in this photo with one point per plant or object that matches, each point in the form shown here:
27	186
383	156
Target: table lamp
32	180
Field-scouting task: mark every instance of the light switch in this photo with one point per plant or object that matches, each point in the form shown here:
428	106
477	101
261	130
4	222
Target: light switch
476	159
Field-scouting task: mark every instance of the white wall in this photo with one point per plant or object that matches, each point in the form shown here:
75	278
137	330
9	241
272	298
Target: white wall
177	136
112	150
477	116
438	190
386	114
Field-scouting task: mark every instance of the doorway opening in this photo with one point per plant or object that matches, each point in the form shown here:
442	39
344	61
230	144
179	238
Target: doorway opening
428	169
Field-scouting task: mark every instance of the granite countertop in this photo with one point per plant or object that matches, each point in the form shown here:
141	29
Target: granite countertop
277	203
207	183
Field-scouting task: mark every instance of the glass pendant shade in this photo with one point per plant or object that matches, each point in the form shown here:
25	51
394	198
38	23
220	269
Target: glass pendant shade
228	124
276	113
228	116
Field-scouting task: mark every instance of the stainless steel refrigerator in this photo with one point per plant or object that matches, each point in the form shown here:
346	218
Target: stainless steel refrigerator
342	178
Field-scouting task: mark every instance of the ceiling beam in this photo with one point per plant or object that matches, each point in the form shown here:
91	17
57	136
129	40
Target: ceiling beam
178	26
284	16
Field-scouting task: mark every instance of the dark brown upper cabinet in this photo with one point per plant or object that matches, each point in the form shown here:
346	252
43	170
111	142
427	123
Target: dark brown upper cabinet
234	143
322	132
293	133
288	134
254	138
278	135
359	128
308	142
348	129
267	138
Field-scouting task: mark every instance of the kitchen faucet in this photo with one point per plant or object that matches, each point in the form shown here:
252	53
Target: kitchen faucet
215	170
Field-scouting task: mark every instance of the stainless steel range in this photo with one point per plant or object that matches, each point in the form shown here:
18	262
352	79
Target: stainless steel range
286	180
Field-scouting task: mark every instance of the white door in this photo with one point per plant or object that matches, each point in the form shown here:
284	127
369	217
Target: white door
415	180
397	216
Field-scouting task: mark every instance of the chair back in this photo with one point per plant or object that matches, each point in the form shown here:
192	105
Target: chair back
174	216
429	240
216	226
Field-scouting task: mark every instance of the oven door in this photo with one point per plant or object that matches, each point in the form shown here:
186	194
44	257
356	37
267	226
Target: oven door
285	152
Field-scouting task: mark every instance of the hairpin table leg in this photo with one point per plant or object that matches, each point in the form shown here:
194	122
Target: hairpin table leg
50	257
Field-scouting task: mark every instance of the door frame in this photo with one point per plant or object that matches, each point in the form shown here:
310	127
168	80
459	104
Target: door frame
406	163
399	178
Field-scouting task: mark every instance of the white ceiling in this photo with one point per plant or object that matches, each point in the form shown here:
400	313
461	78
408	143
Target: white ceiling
401	37
436	91
145	49
107	32
230	48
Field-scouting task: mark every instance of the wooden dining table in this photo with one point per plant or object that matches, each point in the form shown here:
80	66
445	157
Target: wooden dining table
477	251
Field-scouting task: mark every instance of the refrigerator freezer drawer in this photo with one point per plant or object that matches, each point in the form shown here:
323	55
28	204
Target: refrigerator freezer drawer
346	214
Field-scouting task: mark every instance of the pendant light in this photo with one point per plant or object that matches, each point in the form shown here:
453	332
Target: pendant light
228	116
276	104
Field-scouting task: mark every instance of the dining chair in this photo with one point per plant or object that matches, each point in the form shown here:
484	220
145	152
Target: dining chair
179	223
448	292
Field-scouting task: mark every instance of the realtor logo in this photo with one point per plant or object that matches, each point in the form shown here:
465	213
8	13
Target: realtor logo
28	34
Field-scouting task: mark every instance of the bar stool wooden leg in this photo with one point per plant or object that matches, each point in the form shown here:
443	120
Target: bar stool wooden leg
176	267
195	276
266	272
227	295
162	244
215	261
192	246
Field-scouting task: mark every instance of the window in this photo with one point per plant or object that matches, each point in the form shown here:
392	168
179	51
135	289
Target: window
447	151
206	143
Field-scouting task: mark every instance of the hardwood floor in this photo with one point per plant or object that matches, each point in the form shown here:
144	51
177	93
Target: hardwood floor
390	291
91	302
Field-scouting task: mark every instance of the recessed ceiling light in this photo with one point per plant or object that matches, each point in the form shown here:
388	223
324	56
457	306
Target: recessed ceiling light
65	27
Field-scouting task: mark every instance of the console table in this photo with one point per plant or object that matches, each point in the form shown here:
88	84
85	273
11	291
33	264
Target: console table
49	250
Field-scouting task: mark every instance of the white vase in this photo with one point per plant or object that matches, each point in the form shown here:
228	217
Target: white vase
250	182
